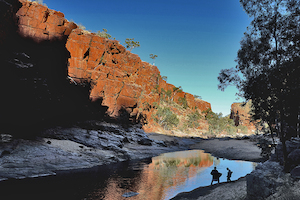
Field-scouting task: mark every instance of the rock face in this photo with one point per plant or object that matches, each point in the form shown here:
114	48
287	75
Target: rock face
117	80
240	115
269	181
119	77
39	23
264	180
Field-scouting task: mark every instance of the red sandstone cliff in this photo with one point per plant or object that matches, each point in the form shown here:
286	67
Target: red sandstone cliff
241	116
117	76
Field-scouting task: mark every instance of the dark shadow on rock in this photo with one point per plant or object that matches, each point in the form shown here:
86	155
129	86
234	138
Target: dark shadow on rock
35	89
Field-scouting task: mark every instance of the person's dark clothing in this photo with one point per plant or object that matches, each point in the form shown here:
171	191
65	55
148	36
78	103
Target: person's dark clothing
215	176
229	175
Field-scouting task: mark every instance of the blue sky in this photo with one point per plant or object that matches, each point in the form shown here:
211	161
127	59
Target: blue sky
194	39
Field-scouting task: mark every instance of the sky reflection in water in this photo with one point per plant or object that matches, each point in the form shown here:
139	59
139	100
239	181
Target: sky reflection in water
169	174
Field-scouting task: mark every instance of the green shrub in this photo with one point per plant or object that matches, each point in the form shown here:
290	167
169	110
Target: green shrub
218	123
231	130
103	34
193	119
166	118
243	129
182	101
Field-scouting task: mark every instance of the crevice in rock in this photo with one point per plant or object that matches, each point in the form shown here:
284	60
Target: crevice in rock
46	15
101	59
86	54
114	61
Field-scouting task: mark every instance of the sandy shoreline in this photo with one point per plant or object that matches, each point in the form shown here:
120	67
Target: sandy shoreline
231	149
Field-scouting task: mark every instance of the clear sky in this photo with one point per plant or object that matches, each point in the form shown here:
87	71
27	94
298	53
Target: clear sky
193	39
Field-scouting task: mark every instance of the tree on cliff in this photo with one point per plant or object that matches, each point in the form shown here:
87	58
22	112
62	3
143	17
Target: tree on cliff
267	62
131	44
153	57
175	91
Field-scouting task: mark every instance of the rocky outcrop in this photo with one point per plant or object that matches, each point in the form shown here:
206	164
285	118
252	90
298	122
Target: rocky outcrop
50	47
39	23
264	180
269	181
85	145
240	114
119	77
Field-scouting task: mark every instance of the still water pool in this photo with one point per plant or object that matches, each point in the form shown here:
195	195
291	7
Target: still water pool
157	178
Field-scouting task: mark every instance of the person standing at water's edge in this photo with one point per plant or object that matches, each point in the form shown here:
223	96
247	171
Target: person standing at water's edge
215	175
229	175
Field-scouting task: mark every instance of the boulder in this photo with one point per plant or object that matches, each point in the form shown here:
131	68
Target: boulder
294	158
295	173
264	180
145	141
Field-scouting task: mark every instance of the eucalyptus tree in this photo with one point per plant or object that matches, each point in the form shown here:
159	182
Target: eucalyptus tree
152	56
266	62
131	44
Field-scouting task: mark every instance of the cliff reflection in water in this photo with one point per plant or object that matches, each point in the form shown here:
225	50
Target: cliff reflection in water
160	178
165	176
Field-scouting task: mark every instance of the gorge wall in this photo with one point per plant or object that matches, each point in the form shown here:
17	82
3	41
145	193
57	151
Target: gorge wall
240	114
56	69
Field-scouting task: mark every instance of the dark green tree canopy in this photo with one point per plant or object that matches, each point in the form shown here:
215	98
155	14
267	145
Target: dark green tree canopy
267	61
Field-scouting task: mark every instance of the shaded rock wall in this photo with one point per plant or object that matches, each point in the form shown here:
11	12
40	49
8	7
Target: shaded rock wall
35	91
48	53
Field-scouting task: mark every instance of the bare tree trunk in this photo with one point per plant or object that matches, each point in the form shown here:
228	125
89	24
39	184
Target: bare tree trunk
298	126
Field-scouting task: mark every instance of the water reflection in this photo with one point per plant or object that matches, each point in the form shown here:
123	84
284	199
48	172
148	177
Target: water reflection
159	178
167	175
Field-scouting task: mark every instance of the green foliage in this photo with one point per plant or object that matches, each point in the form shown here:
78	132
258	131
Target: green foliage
156	90
131	44
164	78
243	129
267	64
177	89
218	123
165	95
197	97
193	119
231	130
103	34
182	101
166	118
169	93
172	162
153	57
146	106
155	105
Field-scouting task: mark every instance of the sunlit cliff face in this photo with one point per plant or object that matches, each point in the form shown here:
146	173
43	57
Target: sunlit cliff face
120	80
160	176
